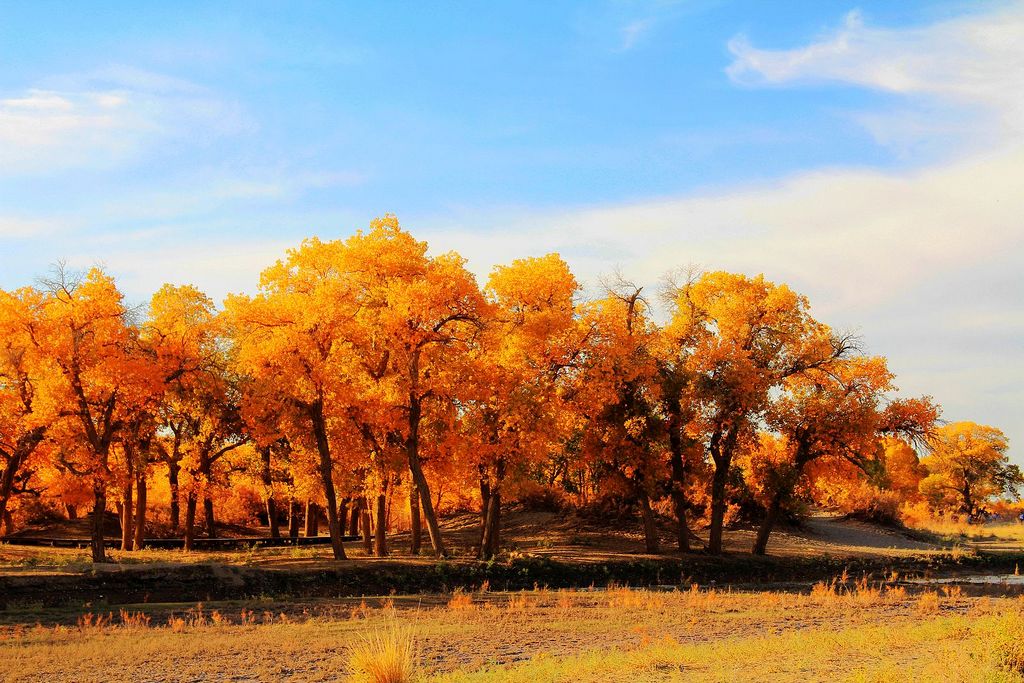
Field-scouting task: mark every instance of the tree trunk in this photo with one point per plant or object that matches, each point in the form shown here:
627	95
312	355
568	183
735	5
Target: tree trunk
172	479
679	502
140	509
380	548
327	478
211	522
491	542
969	505
718	482
485	497
783	492
99	509
364	522
721	455
25	446
127	519
312	528
415	525
71	510
8	520
650	527
3	507
293	519
770	517
126	510
412	445
190	520
353	522
268	487
272	521
7	484
343	507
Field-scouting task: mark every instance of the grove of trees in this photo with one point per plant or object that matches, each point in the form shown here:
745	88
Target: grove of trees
374	384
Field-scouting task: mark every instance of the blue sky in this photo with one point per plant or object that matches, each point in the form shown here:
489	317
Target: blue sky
868	153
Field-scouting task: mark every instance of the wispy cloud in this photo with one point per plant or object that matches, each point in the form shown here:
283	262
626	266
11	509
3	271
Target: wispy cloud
104	119
975	61
634	30
624	26
853	236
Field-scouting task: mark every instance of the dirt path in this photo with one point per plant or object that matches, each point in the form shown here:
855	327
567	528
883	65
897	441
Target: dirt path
839	531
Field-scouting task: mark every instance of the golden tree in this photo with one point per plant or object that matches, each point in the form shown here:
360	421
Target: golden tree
294	336
836	409
418	317
968	467
617	397
23	420
101	376
530	341
739	338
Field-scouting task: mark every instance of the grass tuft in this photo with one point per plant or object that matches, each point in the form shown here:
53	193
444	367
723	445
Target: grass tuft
387	655
1009	642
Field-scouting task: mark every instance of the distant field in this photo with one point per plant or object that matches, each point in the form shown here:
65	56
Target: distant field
852	631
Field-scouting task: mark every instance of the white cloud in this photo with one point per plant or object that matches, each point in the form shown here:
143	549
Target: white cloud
104	119
974	61
855	236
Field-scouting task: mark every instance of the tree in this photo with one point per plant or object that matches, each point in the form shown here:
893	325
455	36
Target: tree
294	336
678	408
531	339
101	375
835	409
198	404
968	468
207	420
739	338
902	467
23	421
265	415
417	318
618	398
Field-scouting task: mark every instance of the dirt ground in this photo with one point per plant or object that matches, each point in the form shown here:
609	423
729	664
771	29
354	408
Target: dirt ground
564	537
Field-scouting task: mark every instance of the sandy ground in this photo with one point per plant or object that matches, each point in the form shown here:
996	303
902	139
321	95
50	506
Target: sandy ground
567	537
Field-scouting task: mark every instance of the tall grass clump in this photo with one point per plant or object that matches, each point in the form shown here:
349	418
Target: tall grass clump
386	655
1008	642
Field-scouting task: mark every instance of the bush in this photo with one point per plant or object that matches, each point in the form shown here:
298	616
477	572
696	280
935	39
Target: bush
872	504
536	497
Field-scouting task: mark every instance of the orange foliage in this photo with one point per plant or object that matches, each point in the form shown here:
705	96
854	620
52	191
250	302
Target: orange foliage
366	372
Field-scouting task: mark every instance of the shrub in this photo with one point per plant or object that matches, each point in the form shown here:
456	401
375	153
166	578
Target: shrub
872	504
535	497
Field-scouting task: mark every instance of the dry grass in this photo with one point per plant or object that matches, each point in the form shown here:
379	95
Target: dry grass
941	649
385	655
847	629
1006	535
